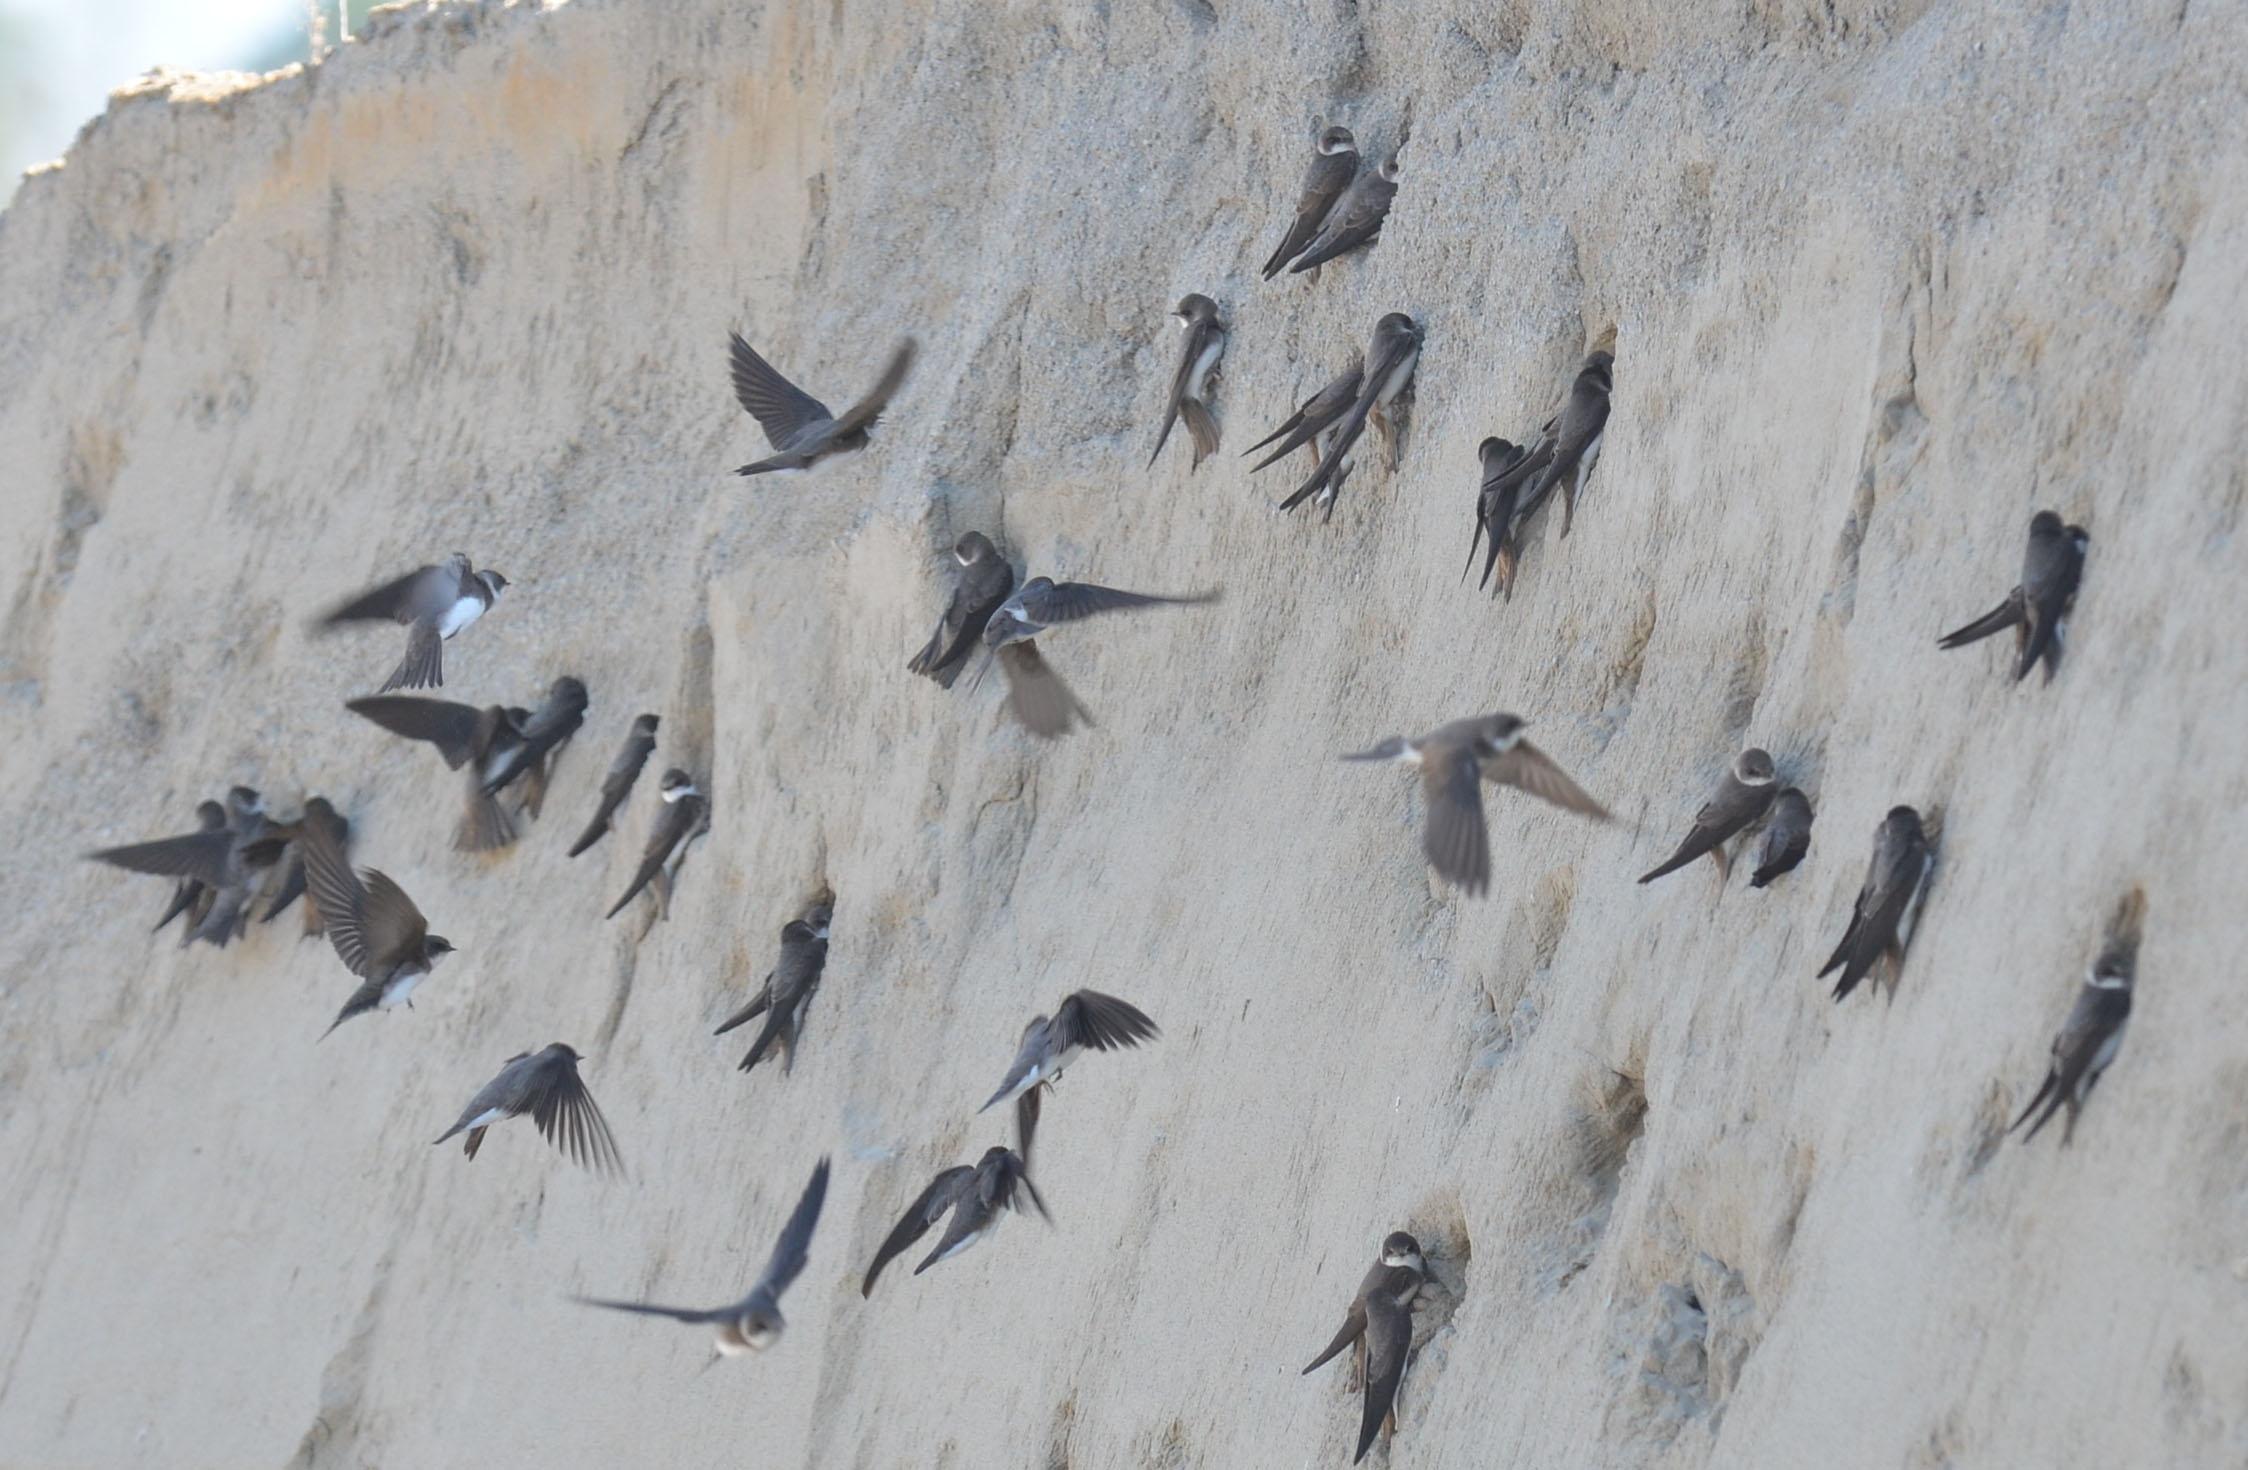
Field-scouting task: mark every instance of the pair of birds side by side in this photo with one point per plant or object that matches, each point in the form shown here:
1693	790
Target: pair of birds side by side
2038	607
987	607
1375	388
1378	1329
1340	207
1748	793
786	994
1517	479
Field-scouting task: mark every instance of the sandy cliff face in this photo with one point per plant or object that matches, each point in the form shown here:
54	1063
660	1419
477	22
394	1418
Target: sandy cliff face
1883	278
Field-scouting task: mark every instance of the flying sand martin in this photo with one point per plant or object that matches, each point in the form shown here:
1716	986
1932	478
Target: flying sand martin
488	742
1040	700
799	426
2038	607
1454	761
789	986
230	861
755	1322
1332	167
434	604
1202	343
1888	906
685	816
1379	1331
1742	798
985	582
639	744
976	1196
1086	1020
546	1085
377	932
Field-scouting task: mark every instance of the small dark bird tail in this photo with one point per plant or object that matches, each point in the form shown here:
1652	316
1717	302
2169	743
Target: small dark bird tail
598	829
484	825
1997	620
423	667
1203	425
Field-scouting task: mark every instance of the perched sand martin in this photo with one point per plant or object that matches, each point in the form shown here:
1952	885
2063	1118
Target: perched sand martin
789	986
1390	364
976	1197
1741	799
1313	415
1888	906
639	744
2037	609
1787	836
1085	1020
1324	182
1379	1330
1356	219
230	861
434	603
1454	761
685	816
799	426
378	933
1495	492
1581	428
1201	345
985	581
546	1085
1036	694
2088	1041
755	1322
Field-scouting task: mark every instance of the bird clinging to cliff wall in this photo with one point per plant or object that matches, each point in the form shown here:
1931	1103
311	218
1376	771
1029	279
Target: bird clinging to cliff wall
2037	609
1888	904
683	817
985	581
789	986
1742	797
1378	1329
1391	361
1201	344
799	426
1332	166
1356	220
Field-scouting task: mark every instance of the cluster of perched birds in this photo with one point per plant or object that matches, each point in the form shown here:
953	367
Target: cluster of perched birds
239	859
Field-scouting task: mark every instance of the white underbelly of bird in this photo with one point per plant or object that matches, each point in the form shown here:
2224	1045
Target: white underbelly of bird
397	990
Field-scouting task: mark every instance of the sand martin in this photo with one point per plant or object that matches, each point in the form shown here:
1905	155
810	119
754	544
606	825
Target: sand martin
191	896
788	989
1036	694
317	810
1454	760
529	765
1379	1330
2088	1041
487	742
230	861
546	1085
1324	182
1578	433
797	425
1202	343
1313	415
1503	504
434	603
985	581
1085	1020
684	817
2037	610
639	744
1787	836
1356	219
1740	800
755	1322
1888	906
1390	364
1495	492
976	1197
378	933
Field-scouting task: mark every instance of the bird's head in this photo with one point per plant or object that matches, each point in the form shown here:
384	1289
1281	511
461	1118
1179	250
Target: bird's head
493	582
675	785
1336	140
436	946
973	548
1401	1249
1753	767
